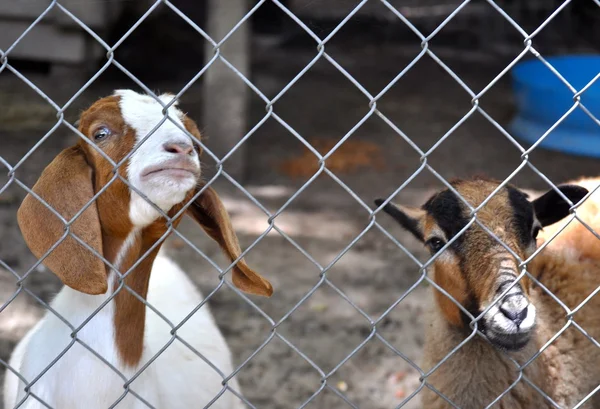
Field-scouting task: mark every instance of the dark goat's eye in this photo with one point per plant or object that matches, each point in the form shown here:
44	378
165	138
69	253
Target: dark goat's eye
435	244
101	133
535	232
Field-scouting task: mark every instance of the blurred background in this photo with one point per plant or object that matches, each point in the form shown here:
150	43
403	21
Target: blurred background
319	99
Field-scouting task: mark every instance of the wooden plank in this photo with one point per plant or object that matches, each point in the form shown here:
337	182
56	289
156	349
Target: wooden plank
15	9
45	43
95	14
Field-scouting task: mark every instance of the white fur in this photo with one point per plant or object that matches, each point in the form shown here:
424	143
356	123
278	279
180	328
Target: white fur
129	240
143	113
177	379
498	323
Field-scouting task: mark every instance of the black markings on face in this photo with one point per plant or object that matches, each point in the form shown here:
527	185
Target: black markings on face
472	306
447	211
522	215
405	221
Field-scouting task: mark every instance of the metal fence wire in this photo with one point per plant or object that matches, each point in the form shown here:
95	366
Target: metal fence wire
371	100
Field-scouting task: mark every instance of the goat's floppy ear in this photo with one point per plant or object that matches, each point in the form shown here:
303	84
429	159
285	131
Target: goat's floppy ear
66	185
209	212
409	217
550	207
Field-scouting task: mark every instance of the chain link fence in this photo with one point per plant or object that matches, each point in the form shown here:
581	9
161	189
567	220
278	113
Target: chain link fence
326	376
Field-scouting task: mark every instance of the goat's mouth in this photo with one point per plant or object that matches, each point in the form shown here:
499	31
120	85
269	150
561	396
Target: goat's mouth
510	342
508	333
175	170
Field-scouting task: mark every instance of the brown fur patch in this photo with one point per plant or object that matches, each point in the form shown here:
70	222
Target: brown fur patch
192	128
130	312
428	224
113	204
449	277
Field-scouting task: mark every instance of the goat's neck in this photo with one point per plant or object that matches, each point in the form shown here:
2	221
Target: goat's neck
129	311
476	363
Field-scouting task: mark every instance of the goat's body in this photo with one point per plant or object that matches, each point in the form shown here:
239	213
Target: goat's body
178	378
475	375
567	370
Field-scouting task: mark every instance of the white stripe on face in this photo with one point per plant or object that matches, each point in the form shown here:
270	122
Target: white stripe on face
143	113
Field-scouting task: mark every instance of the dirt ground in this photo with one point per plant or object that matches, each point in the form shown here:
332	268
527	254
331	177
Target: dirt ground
322	220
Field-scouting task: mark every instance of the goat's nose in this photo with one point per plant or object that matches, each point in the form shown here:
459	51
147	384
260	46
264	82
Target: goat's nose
515	309
180	148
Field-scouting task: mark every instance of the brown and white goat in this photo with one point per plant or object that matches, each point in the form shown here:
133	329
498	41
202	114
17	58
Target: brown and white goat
476	271
122	226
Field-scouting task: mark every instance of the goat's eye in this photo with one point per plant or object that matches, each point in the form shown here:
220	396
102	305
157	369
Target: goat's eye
435	244
101	133
535	232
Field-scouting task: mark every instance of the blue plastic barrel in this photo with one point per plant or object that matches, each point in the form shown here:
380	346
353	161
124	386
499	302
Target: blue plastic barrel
542	99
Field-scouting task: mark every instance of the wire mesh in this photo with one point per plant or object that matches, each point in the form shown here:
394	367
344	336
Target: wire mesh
526	37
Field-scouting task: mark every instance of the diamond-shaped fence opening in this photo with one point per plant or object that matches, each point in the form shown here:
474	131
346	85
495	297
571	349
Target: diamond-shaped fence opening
313	130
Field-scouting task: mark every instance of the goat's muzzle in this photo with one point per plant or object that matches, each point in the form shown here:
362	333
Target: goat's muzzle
510	321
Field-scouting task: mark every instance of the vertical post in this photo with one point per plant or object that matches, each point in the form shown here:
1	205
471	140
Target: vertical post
225	95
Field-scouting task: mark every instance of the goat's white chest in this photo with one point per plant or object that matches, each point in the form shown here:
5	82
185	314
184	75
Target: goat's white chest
177	378
81	374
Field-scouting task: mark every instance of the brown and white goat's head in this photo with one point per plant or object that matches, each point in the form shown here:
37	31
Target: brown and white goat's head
475	269
164	167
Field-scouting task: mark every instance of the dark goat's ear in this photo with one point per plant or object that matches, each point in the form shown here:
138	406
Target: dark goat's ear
550	207
410	218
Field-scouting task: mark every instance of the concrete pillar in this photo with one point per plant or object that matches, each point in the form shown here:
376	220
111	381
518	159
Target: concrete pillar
225	95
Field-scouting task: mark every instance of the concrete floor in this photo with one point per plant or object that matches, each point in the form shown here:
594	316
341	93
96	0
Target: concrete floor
323	219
